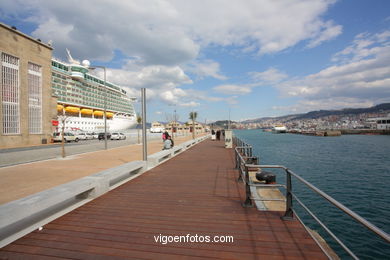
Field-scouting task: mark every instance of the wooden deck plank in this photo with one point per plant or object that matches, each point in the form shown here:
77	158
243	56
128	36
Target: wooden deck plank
194	193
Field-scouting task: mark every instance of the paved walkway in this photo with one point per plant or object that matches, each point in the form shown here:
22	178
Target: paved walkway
193	194
22	180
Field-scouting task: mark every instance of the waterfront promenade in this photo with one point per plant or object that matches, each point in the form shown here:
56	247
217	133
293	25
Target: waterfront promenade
195	194
22	180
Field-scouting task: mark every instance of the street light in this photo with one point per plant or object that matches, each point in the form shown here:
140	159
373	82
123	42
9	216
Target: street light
87	64
144	138
229	119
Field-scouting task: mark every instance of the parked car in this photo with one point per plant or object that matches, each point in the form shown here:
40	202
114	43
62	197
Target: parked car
123	137
118	136
95	135
101	136
157	129
115	136
89	136
68	137
82	136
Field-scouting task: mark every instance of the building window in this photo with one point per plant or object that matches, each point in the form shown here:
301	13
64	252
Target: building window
10	94
34	98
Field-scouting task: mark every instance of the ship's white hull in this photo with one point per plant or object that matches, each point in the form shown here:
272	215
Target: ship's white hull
85	124
119	124
279	129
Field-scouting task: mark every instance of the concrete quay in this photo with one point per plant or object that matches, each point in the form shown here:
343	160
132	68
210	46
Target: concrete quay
339	132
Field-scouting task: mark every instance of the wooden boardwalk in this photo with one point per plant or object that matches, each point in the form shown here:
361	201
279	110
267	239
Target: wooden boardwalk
195	193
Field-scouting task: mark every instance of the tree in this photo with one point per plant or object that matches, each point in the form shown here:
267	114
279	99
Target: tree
62	119
193	116
139	121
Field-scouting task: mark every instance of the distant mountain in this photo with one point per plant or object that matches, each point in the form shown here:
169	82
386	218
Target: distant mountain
323	113
345	111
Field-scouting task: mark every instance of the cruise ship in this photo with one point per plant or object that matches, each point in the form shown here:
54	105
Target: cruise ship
279	129
81	99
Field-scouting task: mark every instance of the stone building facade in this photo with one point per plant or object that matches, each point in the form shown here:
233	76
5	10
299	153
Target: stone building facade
27	106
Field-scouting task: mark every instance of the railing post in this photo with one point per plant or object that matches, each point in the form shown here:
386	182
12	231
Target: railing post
239	179
238	163
248	201
288	215
236	155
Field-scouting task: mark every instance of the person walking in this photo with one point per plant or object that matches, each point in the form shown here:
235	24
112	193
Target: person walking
212	134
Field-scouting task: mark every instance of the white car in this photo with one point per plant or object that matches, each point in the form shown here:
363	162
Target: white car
156	129
118	136
68	137
82	136
115	136
89	136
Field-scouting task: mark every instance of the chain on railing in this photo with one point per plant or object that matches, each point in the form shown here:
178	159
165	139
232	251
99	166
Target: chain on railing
245	160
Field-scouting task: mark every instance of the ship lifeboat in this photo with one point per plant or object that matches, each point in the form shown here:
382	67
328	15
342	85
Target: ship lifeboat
98	113
109	114
60	108
86	112
72	109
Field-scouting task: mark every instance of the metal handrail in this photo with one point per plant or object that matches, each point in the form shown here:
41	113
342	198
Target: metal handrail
242	150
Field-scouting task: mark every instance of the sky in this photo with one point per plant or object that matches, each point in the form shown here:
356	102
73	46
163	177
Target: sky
223	58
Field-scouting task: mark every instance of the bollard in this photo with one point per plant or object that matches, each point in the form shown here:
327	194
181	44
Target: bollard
267	177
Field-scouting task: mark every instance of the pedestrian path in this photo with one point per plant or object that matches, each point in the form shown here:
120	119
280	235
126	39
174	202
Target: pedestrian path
192	196
20	181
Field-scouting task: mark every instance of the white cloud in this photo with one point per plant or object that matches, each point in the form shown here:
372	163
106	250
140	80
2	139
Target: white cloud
190	104
270	76
329	31
151	77
206	68
364	80
161	82
172	32
324	104
233	89
364	46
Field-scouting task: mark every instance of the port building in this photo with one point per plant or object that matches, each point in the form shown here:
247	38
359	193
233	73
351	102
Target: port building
27	106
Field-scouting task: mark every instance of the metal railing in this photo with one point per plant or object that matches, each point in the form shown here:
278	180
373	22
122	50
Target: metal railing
245	161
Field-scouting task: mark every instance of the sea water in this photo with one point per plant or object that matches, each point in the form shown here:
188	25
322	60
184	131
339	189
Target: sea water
353	169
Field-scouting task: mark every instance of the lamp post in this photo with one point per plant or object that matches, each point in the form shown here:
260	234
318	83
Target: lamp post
144	140
174	118
229	120
87	64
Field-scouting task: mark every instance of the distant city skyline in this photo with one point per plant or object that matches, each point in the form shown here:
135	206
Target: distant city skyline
254	58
